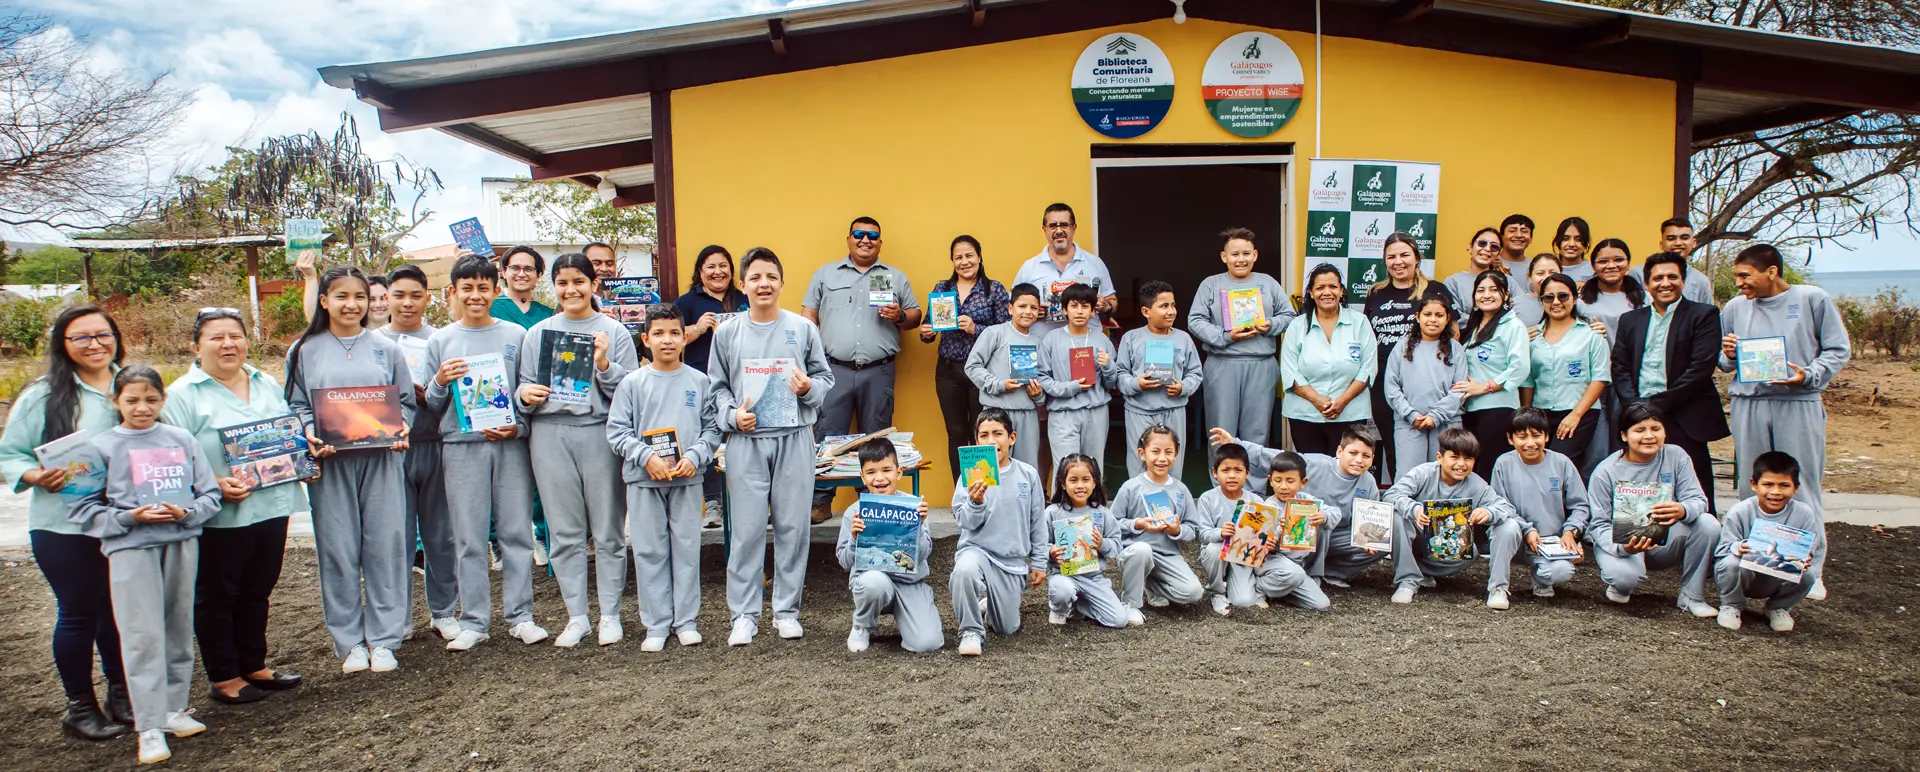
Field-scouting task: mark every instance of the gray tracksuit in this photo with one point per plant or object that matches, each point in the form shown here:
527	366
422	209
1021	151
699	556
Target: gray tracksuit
1550	499
1077	418
1422	387
1690	542
1091	595
1790	419
1412	563
1336	557
907	597
990	366
663	516
359	502
1001	540
151	567
1145	407
484	480
1244	375
766	460
429	522
1281	575
1737	585
576	473
1150	556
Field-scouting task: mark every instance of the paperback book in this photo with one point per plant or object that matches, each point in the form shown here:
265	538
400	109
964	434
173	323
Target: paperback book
1633	510
1297	533
481	397
889	539
567	366
765	384
880	290
1057	302
357	417
981	462
1778	550
86	471
471	237
943	311
1082	366
1450	532
1552	549
1761	360
1156	359
1026	361
1241	308
665	444
415	351
263	454
1075	535
1159	508
1372	525
631	290
160	476
1253	522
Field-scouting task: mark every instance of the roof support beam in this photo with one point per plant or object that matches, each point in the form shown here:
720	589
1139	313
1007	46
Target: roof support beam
374	93
979	10
666	251
1405	11
496	143
429	108
1682	147
777	33
594	159
1771	119
1611	32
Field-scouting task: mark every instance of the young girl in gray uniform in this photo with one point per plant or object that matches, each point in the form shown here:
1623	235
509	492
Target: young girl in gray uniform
1077	491
1152	570
1004	539
359	502
576	472
160	489
1421	373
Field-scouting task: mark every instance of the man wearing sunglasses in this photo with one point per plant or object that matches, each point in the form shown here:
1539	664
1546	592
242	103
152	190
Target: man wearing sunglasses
861	305
1665	352
1062	264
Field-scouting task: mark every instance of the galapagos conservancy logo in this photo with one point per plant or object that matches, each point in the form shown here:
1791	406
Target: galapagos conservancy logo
1252	84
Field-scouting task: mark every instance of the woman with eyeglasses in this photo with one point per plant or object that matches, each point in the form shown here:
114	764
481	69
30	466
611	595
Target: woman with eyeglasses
1612	291
1327	362
1392	307
520	270
83	354
1483	254
1570	244
1569	371
982	303
711	294
1498	362
240	548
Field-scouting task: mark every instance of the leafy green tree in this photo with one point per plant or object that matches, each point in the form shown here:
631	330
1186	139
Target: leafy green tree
570	213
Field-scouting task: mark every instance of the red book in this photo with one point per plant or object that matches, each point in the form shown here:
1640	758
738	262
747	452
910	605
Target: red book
358	417
1080	365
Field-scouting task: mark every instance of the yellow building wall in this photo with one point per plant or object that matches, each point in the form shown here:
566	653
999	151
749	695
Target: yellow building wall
979	140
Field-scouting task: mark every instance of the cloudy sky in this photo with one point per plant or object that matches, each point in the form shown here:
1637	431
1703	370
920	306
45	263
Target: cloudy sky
250	68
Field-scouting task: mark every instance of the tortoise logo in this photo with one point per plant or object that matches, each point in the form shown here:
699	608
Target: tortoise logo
1333	180
1374	183
1329	229
1418	229
1252	51
1420	182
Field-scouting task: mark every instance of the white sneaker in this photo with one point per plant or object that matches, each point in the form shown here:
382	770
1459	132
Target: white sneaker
356	660
528	633
447	627
466	640
1260	601
743	631
651	644
857	639
383	661
1781	620
690	638
1055	617
153	747
1336	583
577	628
181	724
1617	596
1819	591
1135	618
712	517
1729	617
1157	601
1220	605
1404	594
1497	600
610	631
970	645
788	628
1543	591
1699	609
493	558
539	549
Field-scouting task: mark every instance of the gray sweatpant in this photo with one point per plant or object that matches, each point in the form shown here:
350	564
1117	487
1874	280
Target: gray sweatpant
1026	429
663	524
1078	431
1737	585
1277	577
1239	395
1688	546
1413	563
1546	573
1090	594
1137	422
582	493
1170	576
1797	428
483	478
1338	558
359	529
975	577
430	525
764	478
153	607
910	603
864	394
1413	447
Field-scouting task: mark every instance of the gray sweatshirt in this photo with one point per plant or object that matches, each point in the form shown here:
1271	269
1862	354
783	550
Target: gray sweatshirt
1671	465
1737	524
990	366
1212	510
327	363
1103	521
1132	364
1424	386
1816	339
1548	497
622	358
1204	318
1325	480
1011	526
1056	370
426	420
1129	505
1423	484
456	341
790	336
650	399
107	514
843	548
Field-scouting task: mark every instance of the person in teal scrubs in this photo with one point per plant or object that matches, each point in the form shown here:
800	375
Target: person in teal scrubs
521	267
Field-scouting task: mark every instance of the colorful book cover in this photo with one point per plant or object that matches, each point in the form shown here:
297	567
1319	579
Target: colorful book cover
1156	359
305	239
1242	308
981	462
1159	508
1057	303
889	538
160	476
766	383
1026	361
880	290
263	454
1082	366
1778	550
481	398
357	417
1075	535
665	444
1297	533
1372	527
569	366
1633	510
415	351
631	290
1761	360
1450	529
943	311
1253	522
1552	549
86	471
471	237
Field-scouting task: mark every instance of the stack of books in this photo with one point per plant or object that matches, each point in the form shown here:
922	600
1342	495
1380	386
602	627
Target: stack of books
839	455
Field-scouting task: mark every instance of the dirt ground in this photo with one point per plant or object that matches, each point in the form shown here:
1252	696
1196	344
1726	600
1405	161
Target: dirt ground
1571	682
1873	414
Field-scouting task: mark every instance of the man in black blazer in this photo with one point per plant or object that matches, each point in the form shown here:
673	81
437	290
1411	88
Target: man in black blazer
1678	379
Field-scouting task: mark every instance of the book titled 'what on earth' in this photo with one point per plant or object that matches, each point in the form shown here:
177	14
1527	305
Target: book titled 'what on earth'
263	454
889	538
358	417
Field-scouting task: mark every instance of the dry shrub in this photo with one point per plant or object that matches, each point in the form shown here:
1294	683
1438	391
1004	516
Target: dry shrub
1888	321
158	326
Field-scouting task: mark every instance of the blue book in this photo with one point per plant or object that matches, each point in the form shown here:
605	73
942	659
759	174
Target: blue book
1159	507
1156	359
1026	361
1777	550
1761	360
471	237
890	538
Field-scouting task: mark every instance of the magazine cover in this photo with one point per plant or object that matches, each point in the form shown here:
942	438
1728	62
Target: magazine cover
981	462
263	454
1159	507
1450	534
1762	360
471	237
665	444
357	417
880	290
631	290
1057	305
86	471
1075	535
770	398
1777	550
1156	358
1297	533
1026	361
1253	522
1082	365
1241	308
1551	549
415	350
890	537
1633	507
160	476
482	397
1372	525
569	366
943	311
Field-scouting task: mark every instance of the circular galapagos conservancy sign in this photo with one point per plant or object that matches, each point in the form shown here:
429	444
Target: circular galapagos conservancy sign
1123	85
1252	84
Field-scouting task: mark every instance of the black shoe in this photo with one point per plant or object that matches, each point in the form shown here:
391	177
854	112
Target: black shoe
85	721
280	682
119	705
248	693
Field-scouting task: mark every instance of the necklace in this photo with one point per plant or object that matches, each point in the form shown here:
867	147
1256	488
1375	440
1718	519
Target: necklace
349	349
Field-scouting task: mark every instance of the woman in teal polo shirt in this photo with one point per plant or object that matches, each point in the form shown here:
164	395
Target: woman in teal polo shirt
1327	362
1570	368
1498	363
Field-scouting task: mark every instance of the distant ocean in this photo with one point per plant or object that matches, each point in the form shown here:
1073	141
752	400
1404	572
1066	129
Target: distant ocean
1867	283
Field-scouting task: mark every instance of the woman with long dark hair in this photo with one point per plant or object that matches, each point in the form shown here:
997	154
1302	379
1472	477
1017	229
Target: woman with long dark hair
711	293
982	303
83	354
1497	365
1571	366
1570	244
1612	291
1326	365
1483	254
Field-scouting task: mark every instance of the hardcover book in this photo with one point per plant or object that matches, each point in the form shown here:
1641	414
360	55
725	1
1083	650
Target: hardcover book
943	311
1253	522
160	476
1082	365
1241	308
1159	507
482	398
1156	359
889	539
471	237
1761	360
1075	535
1450	529
980	462
1372	527
631	290
1633	510
1778	550
1297	533
263	454
1552	549
357	417
665	444
567	366
880	290
765	384
86	471
1026	361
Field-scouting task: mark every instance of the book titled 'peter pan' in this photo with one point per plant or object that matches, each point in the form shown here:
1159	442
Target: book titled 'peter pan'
160	476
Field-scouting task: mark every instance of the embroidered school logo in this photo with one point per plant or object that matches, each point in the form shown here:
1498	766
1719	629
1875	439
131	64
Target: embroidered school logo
791	340
1121	46
512	351
1666	477
1023	488
380	357
1553	485
1575	367
1484	354
1353	352
1793	310
691	398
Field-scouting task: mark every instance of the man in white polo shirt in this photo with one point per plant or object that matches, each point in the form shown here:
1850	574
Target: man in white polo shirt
1062	264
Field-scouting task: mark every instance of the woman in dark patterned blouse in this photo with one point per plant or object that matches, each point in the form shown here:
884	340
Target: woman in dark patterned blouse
982	303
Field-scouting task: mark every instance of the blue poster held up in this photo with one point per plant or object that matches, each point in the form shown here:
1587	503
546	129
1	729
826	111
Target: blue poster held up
471	237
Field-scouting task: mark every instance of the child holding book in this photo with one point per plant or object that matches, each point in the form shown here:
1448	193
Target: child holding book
1338	480
1692	535
1076	375
906	596
486	470
1421	372
429	521
1159	372
1077	492
1004	538
160	490
1240	367
1776	481
1153	508
1285	573
1547	495
662	425
1212	512
1449	477
991	368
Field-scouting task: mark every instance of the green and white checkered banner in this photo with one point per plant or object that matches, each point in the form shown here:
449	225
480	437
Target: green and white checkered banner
1353	205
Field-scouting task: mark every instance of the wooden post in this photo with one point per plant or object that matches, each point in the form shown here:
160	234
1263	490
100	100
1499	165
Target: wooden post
253	285
1682	146
86	264
666	254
